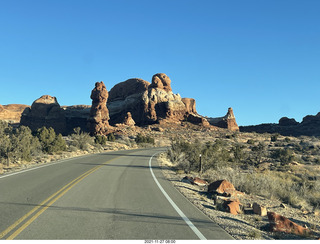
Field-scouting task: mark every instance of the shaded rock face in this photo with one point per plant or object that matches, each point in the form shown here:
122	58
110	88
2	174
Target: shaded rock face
147	103
47	112
228	121
99	114
76	116
11	113
310	126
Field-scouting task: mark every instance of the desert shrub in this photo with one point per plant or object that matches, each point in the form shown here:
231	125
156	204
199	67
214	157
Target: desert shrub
50	141
285	156
258	153
24	144
111	137
274	137
81	140
250	141
144	139
238	153
100	139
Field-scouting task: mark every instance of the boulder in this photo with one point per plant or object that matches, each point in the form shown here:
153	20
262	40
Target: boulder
228	121
200	182
259	210
221	186
280	223
45	111
99	115
232	207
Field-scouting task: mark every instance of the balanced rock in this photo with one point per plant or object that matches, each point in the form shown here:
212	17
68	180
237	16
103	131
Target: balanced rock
99	114
44	111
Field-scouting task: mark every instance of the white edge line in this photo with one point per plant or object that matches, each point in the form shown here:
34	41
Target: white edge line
183	216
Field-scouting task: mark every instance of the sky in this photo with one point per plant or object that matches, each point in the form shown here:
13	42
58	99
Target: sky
260	57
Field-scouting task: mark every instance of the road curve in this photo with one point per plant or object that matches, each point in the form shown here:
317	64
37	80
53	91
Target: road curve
119	195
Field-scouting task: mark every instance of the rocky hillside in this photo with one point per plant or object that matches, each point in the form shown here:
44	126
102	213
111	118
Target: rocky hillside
11	113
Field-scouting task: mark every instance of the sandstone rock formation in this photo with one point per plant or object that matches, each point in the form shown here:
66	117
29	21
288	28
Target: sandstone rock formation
44	111
228	121
11	113
99	115
280	223
151	103
285	121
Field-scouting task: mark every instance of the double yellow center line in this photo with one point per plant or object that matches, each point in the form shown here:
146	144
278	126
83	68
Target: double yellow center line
43	206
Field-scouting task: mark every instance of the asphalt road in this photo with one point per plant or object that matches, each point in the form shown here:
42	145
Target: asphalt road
110	196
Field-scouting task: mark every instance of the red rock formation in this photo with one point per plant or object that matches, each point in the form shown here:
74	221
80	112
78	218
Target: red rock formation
280	223
228	121
99	114
47	112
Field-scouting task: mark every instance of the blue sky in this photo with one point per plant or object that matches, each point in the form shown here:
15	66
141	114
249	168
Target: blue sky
261	57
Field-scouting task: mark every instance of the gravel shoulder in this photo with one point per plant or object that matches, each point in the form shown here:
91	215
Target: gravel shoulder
243	226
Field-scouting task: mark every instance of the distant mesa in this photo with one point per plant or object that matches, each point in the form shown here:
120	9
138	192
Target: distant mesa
310	126
134	102
11	113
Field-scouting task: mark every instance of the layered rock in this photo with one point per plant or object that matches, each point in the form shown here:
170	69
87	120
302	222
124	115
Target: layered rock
11	113
228	121
98	121
45	111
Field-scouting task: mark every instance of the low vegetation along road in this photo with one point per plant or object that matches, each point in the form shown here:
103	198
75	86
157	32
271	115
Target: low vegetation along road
116	195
